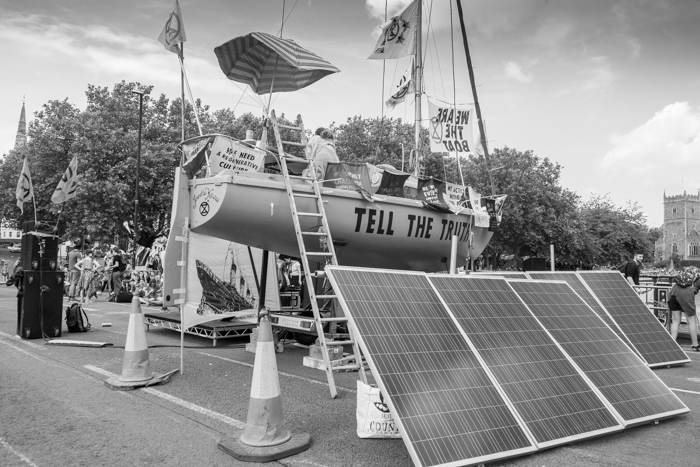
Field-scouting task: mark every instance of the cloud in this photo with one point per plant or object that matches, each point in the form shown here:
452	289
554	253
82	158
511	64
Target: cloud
376	7
99	51
597	73
515	71
668	143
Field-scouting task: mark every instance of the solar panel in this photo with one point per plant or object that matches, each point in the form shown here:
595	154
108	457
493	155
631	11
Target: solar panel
554	400
636	393
448	409
637	322
571	278
506	274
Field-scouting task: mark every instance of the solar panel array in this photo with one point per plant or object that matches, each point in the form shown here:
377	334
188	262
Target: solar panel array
639	325
556	403
444	401
623	378
577	284
477	368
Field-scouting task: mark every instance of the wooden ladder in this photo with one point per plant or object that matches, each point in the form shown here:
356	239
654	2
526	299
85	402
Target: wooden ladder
325	254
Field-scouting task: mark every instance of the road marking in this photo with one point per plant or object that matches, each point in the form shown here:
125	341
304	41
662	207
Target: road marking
686	391
182	403
694	380
24	458
23	351
291	375
19	339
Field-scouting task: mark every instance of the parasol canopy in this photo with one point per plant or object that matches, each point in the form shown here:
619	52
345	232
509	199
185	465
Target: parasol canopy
260	59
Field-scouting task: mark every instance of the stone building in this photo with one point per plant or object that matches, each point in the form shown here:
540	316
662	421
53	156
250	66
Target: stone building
680	229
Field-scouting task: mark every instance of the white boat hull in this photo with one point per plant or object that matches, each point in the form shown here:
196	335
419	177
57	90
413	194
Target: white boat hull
393	233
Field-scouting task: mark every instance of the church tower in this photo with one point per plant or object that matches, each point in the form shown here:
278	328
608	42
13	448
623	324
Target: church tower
21	129
681	226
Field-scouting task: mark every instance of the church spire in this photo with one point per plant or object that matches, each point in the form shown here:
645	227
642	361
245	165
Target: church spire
21	128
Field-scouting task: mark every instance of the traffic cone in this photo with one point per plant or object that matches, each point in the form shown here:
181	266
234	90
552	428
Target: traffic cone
136	367
264	437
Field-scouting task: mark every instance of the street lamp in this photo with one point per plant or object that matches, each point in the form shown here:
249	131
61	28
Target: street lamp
138	169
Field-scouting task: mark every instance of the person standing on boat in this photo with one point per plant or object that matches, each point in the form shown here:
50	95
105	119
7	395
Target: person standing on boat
321	150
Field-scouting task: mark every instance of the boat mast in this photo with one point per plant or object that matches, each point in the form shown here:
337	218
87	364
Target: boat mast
482	135
417	79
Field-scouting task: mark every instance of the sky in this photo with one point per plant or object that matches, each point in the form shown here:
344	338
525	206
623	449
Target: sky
608	89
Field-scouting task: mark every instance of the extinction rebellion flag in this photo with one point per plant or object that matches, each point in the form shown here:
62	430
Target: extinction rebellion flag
404	88
398	37
68	185
24	191
173	32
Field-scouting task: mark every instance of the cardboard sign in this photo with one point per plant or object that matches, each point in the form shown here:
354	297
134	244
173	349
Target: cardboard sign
227	153
431	191
450	129
347	176
392	184
490	205
454	196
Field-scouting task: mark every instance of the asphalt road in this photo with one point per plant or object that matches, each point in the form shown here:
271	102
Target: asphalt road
56	411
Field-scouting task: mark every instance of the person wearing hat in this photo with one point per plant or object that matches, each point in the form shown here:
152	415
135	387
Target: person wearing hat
682	299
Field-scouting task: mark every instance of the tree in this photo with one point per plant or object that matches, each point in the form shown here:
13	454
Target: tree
614	233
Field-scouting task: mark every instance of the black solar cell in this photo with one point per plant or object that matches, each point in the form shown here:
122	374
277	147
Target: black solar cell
555	401
577	284
637	322
627	383
446	405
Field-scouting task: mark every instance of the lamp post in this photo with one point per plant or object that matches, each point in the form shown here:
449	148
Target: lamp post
138	169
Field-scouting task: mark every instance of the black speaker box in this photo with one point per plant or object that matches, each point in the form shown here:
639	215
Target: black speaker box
41	304
39	252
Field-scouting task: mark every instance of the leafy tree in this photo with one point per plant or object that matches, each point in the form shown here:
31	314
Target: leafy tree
613	233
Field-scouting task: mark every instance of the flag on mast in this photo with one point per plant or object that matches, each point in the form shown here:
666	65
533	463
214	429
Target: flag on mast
398	37
173	32
25	190
404	88
68	184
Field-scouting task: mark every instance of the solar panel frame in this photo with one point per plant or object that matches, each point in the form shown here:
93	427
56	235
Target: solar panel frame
574	372
670	354
634	391
579	286
387	391
505	274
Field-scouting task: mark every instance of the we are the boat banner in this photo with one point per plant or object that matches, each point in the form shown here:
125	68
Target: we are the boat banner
450	129
398	37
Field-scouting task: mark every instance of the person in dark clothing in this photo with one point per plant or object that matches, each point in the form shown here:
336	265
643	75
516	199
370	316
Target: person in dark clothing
118	268
682	299
632	268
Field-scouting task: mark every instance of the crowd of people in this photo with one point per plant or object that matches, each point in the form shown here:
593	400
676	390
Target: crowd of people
87	278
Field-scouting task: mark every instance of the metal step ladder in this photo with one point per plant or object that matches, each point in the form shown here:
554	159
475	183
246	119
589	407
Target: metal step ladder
324	253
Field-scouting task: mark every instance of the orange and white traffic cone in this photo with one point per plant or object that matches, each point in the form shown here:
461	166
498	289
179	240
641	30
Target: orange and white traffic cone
264	437
136	367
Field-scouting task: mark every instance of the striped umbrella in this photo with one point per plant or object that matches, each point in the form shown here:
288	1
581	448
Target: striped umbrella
259	60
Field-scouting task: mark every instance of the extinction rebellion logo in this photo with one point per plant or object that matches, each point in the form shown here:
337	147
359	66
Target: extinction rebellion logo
172	28
204	207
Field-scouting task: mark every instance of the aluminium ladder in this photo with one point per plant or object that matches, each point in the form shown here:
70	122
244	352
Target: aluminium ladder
326	249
